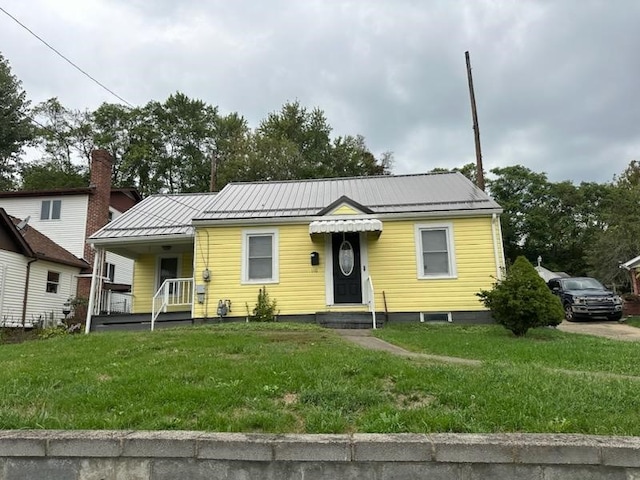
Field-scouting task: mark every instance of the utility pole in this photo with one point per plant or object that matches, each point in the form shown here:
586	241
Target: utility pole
214	171
476	129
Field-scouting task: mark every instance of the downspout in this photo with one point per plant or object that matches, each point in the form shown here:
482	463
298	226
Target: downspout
26	291
494	220
92	292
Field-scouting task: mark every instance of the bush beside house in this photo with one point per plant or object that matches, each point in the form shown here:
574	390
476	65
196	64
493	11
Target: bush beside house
522	300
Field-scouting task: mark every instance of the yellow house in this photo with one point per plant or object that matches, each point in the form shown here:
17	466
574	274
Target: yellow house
344	252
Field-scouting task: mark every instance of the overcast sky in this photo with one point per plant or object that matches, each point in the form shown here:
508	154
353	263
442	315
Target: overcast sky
557	83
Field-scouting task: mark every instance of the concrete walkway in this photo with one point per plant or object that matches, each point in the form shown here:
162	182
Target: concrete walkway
614	330
363	338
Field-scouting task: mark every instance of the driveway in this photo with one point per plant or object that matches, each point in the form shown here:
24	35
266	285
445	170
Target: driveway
614	330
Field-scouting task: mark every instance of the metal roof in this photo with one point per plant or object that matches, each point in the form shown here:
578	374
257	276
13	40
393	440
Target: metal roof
157	215
421	193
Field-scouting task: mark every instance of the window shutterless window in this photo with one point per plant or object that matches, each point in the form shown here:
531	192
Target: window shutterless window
109	271
50	209
260	256
435	255
53	281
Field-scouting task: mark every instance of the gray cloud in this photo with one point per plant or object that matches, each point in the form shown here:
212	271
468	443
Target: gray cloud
555	81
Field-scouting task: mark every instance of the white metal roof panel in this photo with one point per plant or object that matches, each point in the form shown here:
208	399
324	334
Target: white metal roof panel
383	194
157	215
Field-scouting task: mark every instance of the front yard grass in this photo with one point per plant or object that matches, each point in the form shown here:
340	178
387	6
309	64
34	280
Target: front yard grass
633	321
294	378
542	347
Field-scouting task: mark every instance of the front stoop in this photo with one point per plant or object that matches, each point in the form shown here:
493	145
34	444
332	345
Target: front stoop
349	320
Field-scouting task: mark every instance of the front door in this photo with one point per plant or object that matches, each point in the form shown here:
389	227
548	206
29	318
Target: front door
167	270
347	280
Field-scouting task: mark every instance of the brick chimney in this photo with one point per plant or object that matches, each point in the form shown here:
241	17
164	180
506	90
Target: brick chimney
98	207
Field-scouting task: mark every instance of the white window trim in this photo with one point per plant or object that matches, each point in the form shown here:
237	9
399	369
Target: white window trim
275	264
57	284
50	212
448	228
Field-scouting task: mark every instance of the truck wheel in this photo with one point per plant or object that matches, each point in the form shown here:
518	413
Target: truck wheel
568	313
615	316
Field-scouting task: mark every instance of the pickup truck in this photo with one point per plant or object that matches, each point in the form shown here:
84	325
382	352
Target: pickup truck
584	297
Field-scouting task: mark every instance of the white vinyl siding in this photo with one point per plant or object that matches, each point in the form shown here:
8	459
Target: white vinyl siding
260	256
69	232
435	255
40	305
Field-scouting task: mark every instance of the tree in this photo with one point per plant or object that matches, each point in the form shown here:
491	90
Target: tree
296	144
16	128
45	175
522	300
65	136
618	236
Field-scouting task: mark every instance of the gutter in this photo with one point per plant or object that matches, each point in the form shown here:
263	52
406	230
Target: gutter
26	291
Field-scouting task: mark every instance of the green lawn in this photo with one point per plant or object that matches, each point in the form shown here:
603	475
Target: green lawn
545	347
295	378
633	321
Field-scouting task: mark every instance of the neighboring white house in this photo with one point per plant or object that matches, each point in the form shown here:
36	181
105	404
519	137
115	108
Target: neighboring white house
69	216
37	276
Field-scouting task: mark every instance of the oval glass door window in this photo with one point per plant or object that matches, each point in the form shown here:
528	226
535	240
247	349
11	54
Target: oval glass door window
346	258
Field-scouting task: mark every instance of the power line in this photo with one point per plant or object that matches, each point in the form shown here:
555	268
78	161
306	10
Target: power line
65	58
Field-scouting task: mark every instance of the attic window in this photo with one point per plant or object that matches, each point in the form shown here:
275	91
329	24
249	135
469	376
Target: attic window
53	281
50	209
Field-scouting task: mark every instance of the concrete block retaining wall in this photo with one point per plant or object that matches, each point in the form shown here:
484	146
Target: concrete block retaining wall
120	455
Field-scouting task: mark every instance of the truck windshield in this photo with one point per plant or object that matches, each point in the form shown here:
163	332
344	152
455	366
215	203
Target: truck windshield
583	284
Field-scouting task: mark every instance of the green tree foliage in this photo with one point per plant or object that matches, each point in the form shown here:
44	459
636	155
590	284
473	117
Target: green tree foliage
556	221
618	237
16	128
522	300
44	175
65	136
296	143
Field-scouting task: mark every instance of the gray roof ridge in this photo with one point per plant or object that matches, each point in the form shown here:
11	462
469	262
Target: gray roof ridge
329	179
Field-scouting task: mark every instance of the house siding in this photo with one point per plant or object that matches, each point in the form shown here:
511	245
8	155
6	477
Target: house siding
144	279
40	304
300	289
391	263
68	231
393	269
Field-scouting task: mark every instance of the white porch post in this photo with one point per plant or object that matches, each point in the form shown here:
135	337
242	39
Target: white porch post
96	280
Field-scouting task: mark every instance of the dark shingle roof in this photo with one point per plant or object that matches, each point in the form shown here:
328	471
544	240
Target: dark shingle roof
37	245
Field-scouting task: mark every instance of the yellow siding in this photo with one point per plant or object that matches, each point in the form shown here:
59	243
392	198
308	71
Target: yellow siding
391	263
144	279
300	289
345	210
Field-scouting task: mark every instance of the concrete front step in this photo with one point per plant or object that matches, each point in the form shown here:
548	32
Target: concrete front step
348	320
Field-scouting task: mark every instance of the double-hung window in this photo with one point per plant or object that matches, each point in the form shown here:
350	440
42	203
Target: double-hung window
50	209
260	256
53	281
435	256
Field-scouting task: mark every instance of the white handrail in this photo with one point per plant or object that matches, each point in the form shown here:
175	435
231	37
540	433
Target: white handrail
372	301
172	292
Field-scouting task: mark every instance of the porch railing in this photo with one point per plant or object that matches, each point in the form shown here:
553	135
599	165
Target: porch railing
371	300
173	292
